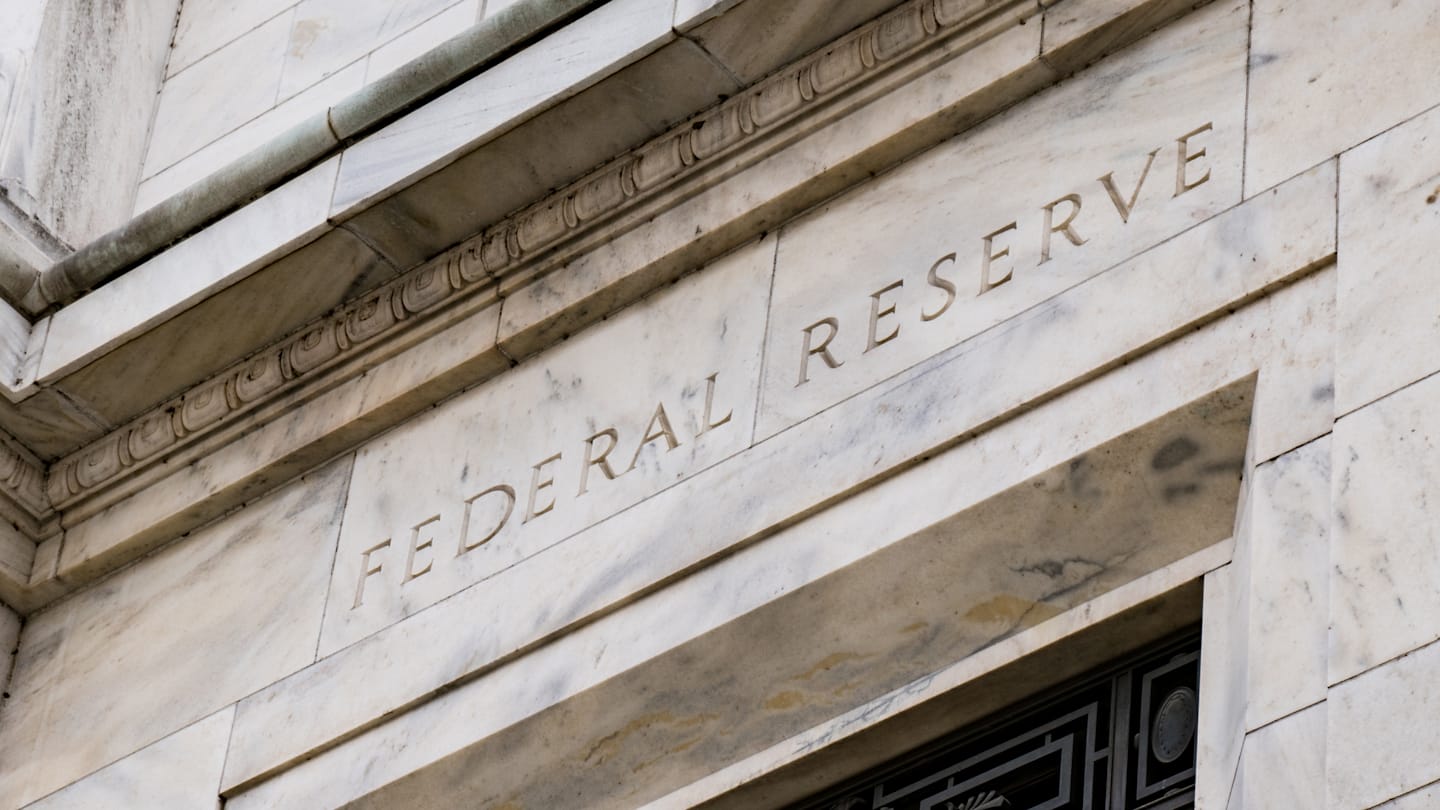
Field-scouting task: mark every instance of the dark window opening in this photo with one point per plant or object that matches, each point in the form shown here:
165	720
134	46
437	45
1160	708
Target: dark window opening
1121	737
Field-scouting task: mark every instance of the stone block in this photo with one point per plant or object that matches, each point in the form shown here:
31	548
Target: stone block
233	85
249	136
180	771
841	450
1389	238
556	67
1006	216
330	34
205	26
1385	546
1310	101
1284	763
1383	731
1289	587
184	633
206	262
559	443
421	38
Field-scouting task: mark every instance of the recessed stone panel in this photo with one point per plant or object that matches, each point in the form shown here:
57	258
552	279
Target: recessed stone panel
174	638
993	223
662	391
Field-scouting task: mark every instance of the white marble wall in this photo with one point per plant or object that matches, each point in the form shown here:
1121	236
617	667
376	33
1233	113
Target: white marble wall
1321	615
243	72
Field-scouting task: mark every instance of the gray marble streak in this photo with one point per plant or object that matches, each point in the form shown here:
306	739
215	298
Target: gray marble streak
841	450
1385	543
181	634
1318	87
1289	546
1389	237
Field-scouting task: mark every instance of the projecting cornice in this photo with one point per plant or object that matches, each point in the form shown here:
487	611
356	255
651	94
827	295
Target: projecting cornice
512	247
835	117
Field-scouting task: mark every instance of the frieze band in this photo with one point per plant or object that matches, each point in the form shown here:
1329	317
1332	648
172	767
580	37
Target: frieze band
500	251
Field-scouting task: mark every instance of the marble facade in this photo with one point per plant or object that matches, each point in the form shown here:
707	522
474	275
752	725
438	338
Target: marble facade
668	414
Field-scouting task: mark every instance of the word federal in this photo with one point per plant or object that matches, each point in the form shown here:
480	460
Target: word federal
606	455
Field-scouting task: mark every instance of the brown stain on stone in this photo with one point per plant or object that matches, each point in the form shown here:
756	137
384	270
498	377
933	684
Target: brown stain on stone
1007	609
610	744
828	663
914	627
788	699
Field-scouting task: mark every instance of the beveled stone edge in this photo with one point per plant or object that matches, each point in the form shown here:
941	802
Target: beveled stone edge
504	249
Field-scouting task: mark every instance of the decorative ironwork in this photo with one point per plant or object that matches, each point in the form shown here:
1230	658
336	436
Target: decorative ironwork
1120	738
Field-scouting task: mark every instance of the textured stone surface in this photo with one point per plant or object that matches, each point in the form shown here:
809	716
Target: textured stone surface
1385	546
897	270
1390	235
1383	732
1309	102
199	625
569	438
1289	584
180	771
1284	763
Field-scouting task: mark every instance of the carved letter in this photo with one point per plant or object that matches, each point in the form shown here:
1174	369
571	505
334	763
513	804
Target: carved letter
876	313
1064	227
536	485
659	426
934	280
1183	159
822	350
415	546
366	570
706	422
988	256
601	460
502	489
1122	205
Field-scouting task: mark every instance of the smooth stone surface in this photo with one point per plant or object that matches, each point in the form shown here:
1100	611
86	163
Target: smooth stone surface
249	136
1383	732
457	353
1223	664
216	95
833	262
196	624
421	38
1385	544
710	325
205	26
520	166
330	34
1309	102
216	257
1289	546
1389	237
973	80
1077	32
556	67
839	451
218	331
180	771
1422	799
727	30
976	576
1285	763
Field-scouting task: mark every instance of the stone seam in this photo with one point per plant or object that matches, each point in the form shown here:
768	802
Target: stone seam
499	250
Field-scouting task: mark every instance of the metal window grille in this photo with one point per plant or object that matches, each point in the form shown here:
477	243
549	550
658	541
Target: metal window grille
1119	738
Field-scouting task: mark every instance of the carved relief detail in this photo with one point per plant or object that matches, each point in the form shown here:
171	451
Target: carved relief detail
499	250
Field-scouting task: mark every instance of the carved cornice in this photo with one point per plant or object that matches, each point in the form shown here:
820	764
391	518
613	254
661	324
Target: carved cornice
503	249
22	480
